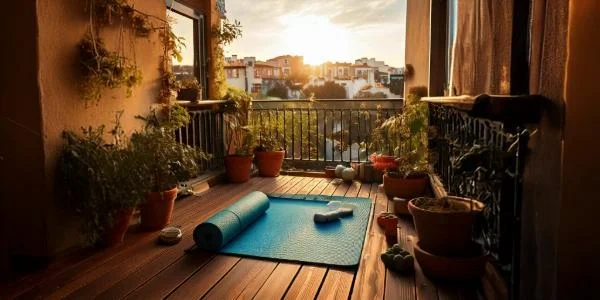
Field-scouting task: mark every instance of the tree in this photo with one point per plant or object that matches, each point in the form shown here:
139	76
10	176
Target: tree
280	91
369	95
330	90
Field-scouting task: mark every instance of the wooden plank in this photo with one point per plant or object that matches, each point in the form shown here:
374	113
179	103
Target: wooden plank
319	188
146	272
307	283
365	190
297	187
245	273
337	284
282	190
402	286
331	187
167	280
304	191
110	272
279	281
203	280
369	282
103	260
354	189
258	281
415	284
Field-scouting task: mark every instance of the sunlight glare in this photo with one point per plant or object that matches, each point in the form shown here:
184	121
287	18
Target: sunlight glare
316	38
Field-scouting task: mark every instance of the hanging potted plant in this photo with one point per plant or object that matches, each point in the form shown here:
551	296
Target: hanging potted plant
406	173
240	141
103	182
166	162
269	152
189	90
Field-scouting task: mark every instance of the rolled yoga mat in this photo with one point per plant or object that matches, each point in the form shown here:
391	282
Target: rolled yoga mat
226	224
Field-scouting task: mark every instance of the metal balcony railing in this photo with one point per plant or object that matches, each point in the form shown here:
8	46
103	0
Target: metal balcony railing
483	159
315	133
205	131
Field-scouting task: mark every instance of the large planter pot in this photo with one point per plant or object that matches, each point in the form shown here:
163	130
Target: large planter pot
157	211
446	232
115	234
406	188
237	167
452	268
269	162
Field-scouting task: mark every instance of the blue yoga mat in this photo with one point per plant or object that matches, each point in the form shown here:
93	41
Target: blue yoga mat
285	230
228	223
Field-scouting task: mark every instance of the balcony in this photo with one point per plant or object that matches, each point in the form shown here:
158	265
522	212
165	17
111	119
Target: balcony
141	269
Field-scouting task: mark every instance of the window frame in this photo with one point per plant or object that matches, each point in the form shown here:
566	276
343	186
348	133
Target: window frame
199	43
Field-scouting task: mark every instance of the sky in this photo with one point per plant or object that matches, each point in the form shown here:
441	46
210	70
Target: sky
320	30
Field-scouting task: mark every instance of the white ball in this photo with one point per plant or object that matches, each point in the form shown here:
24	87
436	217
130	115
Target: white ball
338	171
348	174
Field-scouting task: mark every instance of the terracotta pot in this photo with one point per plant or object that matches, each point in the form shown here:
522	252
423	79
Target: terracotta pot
381	218
447	233
452	268
116	233
269	162
406	188
237	167
389	223
157	211
400	206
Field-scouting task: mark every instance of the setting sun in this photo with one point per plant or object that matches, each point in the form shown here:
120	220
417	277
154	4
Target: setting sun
316	38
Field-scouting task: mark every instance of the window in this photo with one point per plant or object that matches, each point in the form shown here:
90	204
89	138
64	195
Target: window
235	73
257	73
189	24
451	36
256	88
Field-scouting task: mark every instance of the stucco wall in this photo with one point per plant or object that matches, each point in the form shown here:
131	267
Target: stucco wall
62	25
417	43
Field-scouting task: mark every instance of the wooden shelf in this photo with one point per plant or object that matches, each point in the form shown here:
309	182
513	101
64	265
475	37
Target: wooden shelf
509	109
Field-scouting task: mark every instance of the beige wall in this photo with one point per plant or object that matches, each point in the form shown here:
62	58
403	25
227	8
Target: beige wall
579	234
62	25
41	99
417	43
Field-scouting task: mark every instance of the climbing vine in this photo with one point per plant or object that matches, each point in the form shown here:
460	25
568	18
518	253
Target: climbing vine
224	34
102	68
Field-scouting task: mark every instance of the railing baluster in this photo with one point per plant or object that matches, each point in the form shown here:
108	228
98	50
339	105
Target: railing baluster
293	137
308	114
317	136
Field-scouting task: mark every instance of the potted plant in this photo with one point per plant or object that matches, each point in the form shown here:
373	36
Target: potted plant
103	182
444	227
268	153
406	173
189	89
239	152
166	163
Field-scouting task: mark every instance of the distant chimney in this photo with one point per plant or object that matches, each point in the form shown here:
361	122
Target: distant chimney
234	57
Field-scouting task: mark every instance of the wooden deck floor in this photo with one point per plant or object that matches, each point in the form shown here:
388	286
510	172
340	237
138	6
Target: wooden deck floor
142	269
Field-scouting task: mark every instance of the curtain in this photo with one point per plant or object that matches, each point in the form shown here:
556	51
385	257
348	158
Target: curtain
482	50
